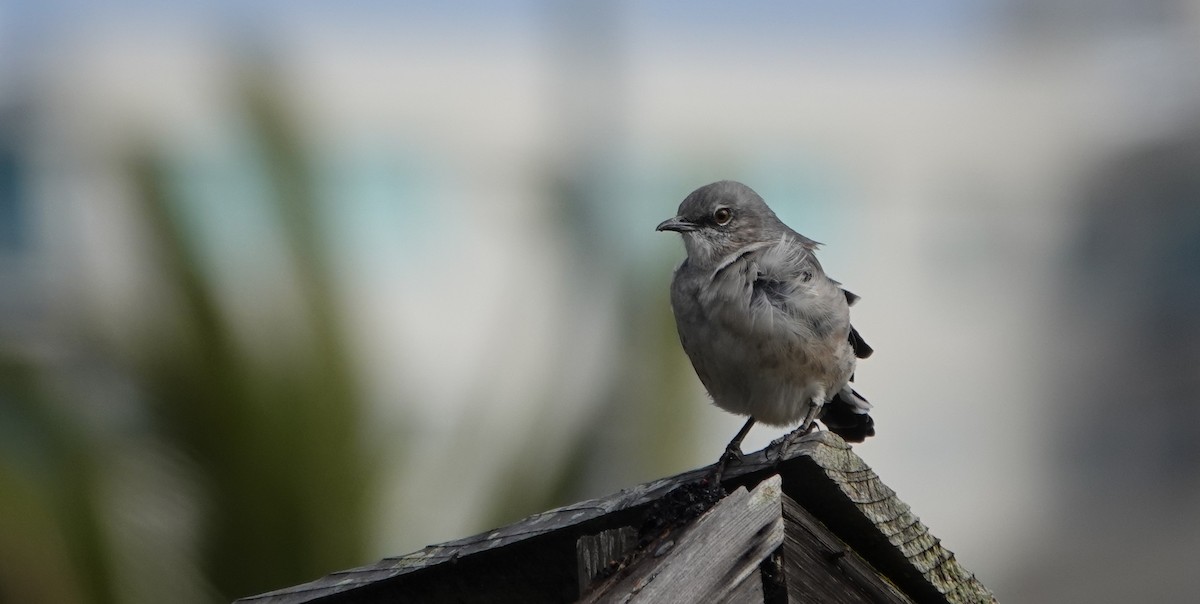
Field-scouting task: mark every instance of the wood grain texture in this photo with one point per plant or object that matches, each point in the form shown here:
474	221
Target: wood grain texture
820	568
711	560
749	591
596	552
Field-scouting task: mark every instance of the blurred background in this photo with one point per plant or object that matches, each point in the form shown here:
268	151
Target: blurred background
287	287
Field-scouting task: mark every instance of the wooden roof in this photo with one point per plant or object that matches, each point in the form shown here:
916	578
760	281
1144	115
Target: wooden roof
814	517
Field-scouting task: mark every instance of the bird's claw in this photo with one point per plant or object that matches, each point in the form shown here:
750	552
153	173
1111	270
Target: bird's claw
781	445
732	454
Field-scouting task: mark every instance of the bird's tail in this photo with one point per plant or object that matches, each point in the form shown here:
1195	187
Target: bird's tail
847	414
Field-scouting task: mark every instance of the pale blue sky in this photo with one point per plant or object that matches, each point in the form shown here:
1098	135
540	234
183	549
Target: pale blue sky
27	23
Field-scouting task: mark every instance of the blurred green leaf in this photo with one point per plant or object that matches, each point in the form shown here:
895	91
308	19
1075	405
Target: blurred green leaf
285	475
54	547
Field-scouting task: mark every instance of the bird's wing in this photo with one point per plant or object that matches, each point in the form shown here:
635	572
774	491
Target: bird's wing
789	274
790	290
862	350
786	270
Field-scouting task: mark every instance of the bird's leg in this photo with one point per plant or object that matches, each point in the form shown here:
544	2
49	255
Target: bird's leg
810	418
734	448
733	451
806	426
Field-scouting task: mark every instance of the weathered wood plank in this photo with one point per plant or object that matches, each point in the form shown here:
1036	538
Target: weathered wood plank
820	568
710	560
596	552
749	591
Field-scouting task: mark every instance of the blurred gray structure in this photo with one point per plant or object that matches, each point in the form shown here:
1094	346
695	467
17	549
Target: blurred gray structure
1127	409
1124	408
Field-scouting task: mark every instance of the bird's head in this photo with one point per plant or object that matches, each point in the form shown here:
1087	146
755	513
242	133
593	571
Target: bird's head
719	219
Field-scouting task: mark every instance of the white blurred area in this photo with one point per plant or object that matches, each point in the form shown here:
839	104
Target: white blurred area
944	159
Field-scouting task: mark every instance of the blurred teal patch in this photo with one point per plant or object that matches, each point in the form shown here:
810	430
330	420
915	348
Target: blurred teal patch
221	199
378	200
807	193
12	224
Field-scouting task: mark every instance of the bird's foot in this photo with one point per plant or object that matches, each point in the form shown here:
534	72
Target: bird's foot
733	454
781	445
733	451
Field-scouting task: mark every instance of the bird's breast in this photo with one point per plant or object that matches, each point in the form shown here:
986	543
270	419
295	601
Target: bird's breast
756	360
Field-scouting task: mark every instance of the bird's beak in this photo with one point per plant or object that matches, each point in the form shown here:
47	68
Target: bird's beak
677	224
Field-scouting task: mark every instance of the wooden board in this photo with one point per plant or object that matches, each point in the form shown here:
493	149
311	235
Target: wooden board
820	568
714	559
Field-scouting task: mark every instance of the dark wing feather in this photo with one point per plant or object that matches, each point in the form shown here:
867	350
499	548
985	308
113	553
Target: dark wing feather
843	419
862	350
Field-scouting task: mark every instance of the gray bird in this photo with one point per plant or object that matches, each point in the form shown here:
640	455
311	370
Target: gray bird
767	332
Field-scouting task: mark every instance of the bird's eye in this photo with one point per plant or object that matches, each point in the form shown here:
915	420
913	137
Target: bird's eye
722	216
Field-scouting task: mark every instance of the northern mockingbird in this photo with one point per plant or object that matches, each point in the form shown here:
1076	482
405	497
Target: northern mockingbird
767	332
